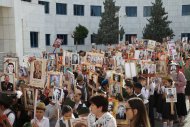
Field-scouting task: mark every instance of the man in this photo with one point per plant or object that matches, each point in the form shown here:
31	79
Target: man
37	70
10	68
6	85
99	115
121	112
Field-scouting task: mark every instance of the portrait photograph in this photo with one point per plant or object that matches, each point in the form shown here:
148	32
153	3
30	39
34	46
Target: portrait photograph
151	68
23	72
7	83
171	95
116	77
74	59
121	111
79	122
115	89
11	65
51	56
54	79
66	58
58	94
144	68
38	73
151	44
161	67
29	97
50	65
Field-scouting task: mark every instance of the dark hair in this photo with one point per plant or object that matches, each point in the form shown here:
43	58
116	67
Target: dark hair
100	101
80	125
128	83
65	109
141	118
141	78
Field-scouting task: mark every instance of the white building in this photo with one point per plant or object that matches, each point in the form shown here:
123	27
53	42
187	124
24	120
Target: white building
31	26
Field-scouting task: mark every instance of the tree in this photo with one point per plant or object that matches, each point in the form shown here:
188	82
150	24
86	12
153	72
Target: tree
80	33
158	27
109	24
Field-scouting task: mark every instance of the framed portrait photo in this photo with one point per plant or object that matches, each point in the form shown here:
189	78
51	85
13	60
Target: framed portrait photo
38	73
58	94
121	111
75	59
11	65
29	97
116	77
54	79
23	72
115	89
7	83
171	95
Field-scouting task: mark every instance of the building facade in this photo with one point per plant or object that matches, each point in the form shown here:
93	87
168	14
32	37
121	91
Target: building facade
31	26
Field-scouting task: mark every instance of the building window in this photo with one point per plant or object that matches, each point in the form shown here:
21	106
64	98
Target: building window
186	35
130	38
64	37
34	39
80	42
147	11
185	10
93	37
131	11
47	39
95	10
46	6
61	9
79	10
27	0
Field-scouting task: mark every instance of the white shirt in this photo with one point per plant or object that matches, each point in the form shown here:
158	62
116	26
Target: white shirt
106	120
43	123
11	116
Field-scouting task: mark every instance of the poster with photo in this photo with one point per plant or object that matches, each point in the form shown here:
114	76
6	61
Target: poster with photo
7	83
54	79
58	94
11	65
75	59
149	54
79	122
38	73
29	97
130	70
51	65
59	61
115	89
161	67
117	77
66	58
172	48
94	59
171	95
23	71
121	111
151	68
151	44
140	54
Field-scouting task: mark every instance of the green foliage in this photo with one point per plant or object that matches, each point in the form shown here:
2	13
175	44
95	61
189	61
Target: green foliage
80	32
158	27
109	24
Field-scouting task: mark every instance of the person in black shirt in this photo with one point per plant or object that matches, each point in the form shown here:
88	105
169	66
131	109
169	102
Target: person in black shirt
6	85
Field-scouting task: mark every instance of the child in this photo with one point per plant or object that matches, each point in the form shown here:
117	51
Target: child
67	113
40	120
169	111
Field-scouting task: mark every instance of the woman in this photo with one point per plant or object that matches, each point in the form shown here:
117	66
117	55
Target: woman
136	113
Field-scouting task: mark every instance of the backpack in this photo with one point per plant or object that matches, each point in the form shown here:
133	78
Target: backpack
14	115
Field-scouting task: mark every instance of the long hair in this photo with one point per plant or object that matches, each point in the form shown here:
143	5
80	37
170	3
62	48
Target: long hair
141	118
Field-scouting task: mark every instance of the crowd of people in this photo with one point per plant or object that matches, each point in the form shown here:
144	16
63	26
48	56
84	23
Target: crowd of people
145	96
